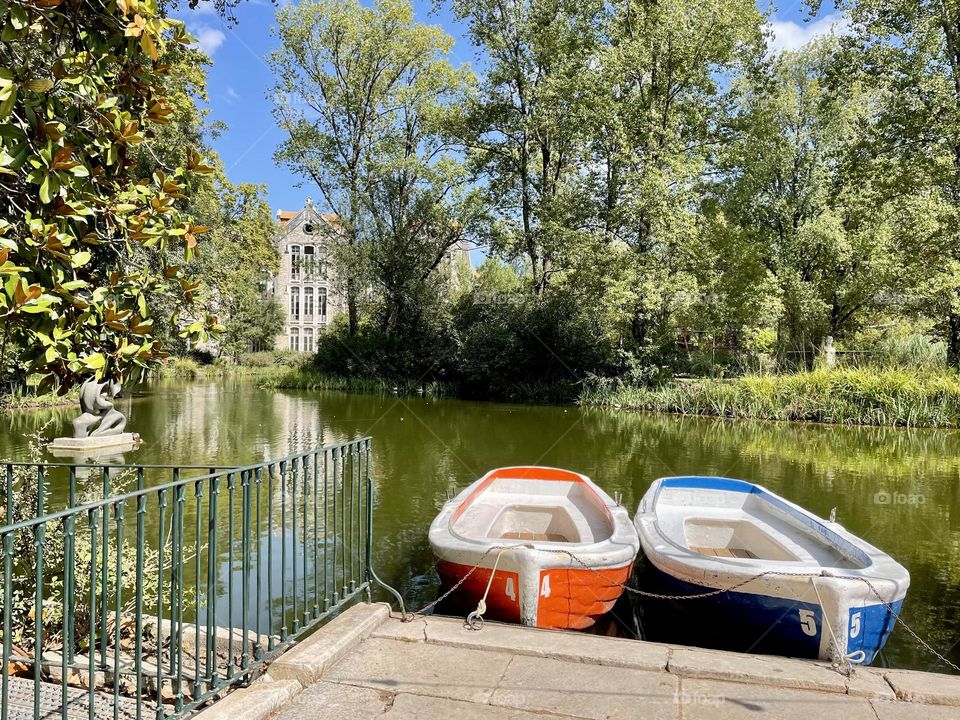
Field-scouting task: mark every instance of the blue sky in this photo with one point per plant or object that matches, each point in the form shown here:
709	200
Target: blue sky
239	79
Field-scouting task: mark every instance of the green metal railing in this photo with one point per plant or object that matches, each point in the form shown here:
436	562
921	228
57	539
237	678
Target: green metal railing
146	590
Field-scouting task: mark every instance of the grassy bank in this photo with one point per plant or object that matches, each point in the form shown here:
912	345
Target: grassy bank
190	369
308	378
28	401
852	397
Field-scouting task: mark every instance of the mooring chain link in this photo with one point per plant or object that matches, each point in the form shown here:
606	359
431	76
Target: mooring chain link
696	596
409	617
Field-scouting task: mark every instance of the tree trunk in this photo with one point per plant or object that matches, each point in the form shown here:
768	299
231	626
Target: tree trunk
953	339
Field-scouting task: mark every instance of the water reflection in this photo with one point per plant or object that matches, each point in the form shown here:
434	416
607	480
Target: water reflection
898	489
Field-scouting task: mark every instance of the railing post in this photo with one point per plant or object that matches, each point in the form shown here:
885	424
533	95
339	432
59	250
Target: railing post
231	484
212	581
257	651
316	539
104	557
66	651
245	484
293	542
138	619
161	508
118	516
7	612
368	540
283	551
39	532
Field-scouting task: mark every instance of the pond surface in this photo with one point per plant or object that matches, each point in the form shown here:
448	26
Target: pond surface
899	489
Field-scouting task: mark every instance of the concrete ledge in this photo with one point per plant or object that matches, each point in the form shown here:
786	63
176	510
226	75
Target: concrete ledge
532	642
259	700
687	662
757	669
924	687
306	661
870	684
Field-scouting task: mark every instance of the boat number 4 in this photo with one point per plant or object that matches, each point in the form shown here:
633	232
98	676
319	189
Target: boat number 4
808	622
509	590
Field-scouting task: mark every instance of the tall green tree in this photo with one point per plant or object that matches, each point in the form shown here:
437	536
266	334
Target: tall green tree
524	124
801	197
81	87
911	52
348	79
661	100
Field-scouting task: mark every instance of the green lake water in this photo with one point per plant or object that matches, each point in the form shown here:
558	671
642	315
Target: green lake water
899	489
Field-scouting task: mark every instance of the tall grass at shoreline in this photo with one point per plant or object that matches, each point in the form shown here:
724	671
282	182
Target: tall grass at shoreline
848	396
307	377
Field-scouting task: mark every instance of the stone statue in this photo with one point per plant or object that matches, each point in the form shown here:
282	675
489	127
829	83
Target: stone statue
98	417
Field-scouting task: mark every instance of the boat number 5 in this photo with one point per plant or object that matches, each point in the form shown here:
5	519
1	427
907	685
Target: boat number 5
854	625
808	622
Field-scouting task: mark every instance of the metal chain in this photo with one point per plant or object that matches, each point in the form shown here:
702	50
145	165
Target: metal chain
696	596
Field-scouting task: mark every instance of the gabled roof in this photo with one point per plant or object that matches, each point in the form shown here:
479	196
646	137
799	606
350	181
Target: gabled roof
289	220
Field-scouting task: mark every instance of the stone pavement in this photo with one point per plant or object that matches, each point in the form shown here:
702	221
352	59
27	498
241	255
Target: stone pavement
366	664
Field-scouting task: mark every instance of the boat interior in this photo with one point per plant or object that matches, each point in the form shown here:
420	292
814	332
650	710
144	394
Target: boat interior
743	525
531	509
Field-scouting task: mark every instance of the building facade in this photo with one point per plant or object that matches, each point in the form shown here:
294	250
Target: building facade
306	283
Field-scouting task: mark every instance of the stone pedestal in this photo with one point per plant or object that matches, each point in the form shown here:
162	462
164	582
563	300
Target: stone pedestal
94	446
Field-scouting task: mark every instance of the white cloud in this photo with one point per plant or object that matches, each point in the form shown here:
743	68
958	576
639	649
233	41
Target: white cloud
790	35
232	95
208	39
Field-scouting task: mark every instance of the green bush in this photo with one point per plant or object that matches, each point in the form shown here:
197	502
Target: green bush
273	358
849	396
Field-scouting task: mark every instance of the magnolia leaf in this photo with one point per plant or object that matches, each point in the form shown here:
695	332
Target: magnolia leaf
80	259
40	85
95	362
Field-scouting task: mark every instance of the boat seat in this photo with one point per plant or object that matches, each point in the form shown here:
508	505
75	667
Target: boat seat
546	537
725	552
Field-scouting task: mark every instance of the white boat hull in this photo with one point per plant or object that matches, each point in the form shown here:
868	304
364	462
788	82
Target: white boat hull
794	584
558	548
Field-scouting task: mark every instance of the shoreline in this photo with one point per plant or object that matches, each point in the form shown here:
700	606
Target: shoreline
868	398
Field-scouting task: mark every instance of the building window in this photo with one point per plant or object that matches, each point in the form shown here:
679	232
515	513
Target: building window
295	262
308	339
322	304
321	260
309	260
295	303
294	338
308	303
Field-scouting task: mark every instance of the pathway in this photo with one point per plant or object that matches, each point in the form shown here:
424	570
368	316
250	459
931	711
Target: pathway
367	664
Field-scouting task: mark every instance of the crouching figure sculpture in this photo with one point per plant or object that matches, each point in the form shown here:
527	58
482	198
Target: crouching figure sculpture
98	417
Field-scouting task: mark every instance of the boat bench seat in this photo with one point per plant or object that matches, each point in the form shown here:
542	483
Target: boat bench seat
527	518
775	544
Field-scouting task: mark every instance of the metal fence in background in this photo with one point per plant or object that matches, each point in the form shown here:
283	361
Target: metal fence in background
146	590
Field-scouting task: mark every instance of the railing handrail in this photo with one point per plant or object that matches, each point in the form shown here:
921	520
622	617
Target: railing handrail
228	574
222	471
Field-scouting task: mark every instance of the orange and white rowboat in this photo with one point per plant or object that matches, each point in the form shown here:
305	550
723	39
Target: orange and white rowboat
523	525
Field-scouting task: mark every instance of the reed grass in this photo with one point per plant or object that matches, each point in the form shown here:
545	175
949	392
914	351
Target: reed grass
882	397
309	378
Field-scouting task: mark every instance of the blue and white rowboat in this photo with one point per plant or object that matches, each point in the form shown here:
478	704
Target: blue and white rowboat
818	596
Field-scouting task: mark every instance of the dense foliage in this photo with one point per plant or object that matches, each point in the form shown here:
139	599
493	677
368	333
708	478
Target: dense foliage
661	191
81	90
